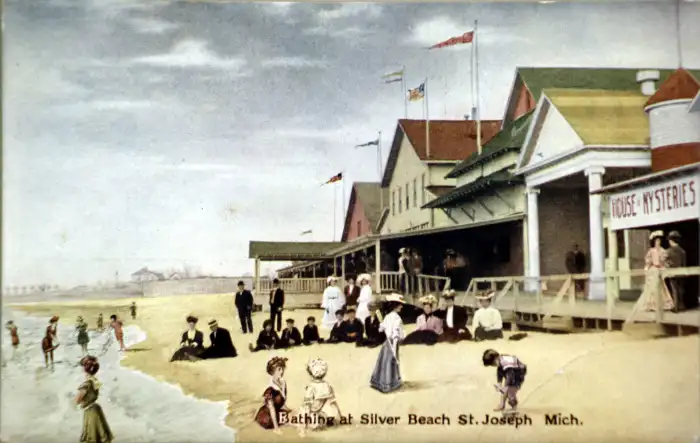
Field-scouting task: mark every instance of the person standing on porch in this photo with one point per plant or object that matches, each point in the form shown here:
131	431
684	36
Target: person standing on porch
576	264
655	260
676	259
276	304
417	268
352	293
404	270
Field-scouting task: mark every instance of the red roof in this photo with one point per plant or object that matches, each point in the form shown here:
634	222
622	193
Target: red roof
452	140
679	85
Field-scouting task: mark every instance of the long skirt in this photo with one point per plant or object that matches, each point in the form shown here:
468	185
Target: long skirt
452	335
187	353
386	376
651	285
482	334
424	337
95	427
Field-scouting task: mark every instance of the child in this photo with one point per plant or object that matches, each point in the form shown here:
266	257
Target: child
290	336
267	339
311	332
320	404
354	329
338	332
117	327
510	374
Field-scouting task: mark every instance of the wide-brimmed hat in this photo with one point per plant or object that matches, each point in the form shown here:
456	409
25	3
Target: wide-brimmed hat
396	298
674	235
331	279
402	250
428	299
656	234
364	277
450	293
80	318
193	319
486	296
213	323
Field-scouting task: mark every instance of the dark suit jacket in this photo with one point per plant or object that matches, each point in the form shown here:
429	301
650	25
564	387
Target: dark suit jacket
244	300
198	338
459	317
352	296
268	339
372	329
311	333
676	257
355	327
277	298
221	345
338	331
293	334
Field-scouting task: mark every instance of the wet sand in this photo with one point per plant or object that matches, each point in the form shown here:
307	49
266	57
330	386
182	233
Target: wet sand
619	388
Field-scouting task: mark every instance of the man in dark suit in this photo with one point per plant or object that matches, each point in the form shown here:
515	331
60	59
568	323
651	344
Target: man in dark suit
244	304
575	262
221	344
276	304
352	293
676	259
454	319
290	336
354	329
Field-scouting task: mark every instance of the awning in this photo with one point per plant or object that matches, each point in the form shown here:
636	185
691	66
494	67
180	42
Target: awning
465	192
398	235
289	251
647	179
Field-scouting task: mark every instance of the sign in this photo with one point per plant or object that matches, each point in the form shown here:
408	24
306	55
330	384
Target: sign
668	201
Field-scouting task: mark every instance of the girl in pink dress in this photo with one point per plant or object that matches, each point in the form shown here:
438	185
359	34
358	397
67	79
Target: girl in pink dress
654	262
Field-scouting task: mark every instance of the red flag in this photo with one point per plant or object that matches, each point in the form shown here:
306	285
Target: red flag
336	178
467	37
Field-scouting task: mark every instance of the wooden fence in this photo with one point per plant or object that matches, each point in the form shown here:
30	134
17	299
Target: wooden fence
295	285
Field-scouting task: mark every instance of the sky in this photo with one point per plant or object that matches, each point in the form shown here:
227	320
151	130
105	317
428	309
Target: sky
165	134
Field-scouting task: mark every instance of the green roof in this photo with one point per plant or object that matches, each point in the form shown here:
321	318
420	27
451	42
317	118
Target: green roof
271	251
510	138
478	186
613	79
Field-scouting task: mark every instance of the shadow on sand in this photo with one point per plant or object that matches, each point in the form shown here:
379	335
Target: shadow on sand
416	386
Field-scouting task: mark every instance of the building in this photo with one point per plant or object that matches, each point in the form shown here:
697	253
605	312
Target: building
666	199
417	165
145	275
364	210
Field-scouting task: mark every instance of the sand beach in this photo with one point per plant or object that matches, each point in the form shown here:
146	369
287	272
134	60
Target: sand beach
619	388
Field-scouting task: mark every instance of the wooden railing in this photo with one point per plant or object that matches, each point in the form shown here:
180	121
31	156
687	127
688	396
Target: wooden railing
295	285
547	304
418	286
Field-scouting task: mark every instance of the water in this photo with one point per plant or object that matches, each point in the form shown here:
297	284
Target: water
37	404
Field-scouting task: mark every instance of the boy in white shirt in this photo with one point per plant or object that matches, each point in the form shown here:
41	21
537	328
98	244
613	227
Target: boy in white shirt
487	323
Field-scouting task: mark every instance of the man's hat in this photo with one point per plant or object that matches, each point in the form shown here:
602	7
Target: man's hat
675	235
213	323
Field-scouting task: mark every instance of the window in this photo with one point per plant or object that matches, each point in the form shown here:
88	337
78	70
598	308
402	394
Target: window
407	200
359	228
393	202
422	189
415	192
400	205
620	234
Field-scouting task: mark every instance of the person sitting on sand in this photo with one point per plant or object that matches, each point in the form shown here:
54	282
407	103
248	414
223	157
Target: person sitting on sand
510	373
50	341
311	335
487	323
320	404
428	325
118	327
373	336
191	343
95	426
100	323
338	331
267	339
290	336
275	396
81	327
354	329
454	320
221	344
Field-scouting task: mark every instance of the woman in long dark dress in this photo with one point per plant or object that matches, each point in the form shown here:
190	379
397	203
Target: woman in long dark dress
81	328
192	342
50	341
275	396
95	426
386	376
428	326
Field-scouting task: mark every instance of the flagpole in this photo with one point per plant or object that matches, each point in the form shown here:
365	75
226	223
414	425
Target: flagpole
335	210
427	121
476	78
403	91
379	165
342	196
678	34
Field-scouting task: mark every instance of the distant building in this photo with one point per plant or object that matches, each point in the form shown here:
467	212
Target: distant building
145	274
364	210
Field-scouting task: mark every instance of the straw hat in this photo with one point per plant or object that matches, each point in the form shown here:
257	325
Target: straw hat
428	299
450	293
656	234
488	296
213	323
402	250
398	298
364	277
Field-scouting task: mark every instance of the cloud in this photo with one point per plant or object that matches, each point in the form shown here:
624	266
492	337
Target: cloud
433	31
347	10
151	25
191	54
293	62
332	31
277	8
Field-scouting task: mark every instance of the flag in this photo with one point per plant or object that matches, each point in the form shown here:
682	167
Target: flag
372	143
307	232
394	80
416	93
394	74
467	37
336	178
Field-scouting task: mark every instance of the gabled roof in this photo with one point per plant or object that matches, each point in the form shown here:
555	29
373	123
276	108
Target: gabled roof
611	79
450	140
368	195
288	251
603	117
679	85
508	139
477	187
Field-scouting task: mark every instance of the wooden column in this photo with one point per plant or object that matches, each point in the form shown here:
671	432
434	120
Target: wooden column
258	292
313	271
612	292
342	267
378	268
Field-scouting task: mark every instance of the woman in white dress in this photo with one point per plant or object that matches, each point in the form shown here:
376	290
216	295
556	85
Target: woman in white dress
386	376
365	299
333	300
